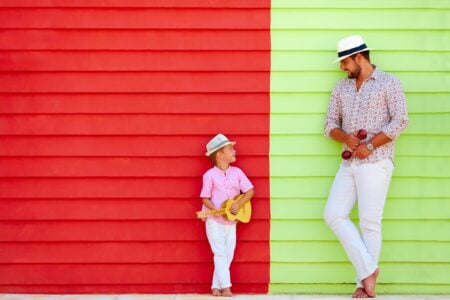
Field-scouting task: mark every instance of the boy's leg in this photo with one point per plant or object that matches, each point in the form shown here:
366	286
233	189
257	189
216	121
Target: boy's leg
230	247
230	242
216	236
341	200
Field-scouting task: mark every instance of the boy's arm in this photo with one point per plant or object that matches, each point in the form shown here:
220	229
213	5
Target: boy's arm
247	196
208	203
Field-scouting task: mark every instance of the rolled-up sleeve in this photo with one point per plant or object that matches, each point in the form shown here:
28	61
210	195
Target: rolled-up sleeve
396	103
207	186
333	118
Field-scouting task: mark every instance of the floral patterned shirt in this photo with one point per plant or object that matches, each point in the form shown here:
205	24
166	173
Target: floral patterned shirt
378	106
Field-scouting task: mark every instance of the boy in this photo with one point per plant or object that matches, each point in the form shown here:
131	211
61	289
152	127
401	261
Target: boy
220	183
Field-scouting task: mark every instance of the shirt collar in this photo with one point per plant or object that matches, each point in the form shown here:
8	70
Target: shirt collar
222	172
375	74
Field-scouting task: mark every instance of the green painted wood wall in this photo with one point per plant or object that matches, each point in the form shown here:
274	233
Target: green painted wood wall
411	39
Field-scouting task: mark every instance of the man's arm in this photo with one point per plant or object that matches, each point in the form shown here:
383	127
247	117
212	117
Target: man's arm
396	105
350	140
379	140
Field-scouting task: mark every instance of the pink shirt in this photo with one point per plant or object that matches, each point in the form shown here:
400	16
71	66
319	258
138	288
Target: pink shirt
220	186
378	106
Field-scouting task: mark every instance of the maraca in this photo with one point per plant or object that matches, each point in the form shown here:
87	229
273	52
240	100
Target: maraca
362	134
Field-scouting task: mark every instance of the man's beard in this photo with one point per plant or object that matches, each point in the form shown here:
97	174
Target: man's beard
355	73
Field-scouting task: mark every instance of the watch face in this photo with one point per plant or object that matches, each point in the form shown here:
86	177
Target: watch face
370	147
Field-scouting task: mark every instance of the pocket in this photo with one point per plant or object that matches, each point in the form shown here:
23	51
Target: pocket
386	165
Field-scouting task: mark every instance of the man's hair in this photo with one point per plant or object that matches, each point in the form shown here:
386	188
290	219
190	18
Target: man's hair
365	54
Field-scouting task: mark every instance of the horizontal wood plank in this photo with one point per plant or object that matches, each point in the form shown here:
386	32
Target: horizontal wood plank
131	145
348	288
329	252
317	144
134	82
319	187
393	230
136	3
159	103
125	252
77	39
367	18
192	288
351	4
113	209
135	18
121	167
393	273
84	60
325	39
131	230
317	102
415	166
395	209
108	187
385	60
324	81
175	273
313	124
136	124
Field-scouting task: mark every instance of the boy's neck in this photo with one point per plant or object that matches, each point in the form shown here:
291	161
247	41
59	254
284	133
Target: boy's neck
222	165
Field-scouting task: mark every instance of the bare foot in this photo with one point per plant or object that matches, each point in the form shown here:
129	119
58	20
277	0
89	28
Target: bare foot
216	292
360	293
226	292
370	282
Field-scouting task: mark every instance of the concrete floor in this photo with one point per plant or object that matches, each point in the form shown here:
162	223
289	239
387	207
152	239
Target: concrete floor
206	297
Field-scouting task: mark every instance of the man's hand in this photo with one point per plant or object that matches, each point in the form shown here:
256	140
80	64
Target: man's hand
352	141
361	151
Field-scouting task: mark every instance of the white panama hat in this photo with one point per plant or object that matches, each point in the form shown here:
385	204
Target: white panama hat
216	143
350	45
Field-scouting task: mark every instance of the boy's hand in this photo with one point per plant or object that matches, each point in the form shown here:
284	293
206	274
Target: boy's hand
235	208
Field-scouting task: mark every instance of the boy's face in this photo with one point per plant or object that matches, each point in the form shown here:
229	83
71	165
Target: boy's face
227	154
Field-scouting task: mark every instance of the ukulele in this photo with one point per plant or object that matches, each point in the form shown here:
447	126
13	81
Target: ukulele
243	214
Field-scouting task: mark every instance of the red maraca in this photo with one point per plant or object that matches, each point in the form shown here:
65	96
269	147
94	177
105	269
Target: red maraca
362	134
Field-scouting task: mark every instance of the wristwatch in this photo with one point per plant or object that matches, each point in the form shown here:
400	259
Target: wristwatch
370	146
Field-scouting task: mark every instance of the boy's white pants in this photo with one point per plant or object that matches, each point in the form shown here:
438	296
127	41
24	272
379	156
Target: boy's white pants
366	184
222	239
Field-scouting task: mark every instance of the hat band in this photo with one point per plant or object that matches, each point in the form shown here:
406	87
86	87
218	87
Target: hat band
350	51
219	145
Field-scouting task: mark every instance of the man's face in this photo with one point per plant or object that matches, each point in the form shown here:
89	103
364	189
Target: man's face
350	66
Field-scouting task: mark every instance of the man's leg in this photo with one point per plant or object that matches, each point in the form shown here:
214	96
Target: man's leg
372	182
340	203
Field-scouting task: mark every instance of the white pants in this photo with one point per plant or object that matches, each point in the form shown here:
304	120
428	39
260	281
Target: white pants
367	184
222	239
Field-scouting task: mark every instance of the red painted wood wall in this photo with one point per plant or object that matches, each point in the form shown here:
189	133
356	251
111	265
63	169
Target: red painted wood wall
105	109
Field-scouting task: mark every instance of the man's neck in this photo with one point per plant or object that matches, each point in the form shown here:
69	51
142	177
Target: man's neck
366	72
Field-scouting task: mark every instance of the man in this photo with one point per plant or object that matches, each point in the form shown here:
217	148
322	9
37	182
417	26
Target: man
373	100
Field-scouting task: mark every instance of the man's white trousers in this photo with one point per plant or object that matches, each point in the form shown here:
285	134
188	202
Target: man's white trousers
367	185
